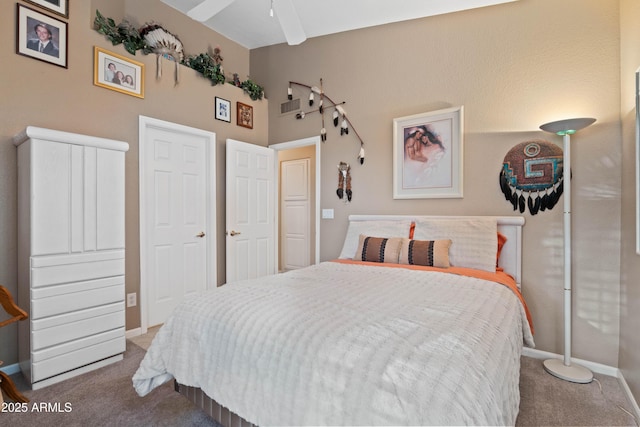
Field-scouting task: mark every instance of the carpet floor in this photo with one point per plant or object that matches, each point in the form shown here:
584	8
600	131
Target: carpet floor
105	397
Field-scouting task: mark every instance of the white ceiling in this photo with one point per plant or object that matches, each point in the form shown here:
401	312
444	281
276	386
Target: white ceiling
248	22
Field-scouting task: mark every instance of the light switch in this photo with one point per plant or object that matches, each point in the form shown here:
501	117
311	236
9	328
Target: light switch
327	213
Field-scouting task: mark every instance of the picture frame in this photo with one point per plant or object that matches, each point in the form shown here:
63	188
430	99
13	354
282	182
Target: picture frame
428	155
41	36
59	7
223	110
128	75
244	115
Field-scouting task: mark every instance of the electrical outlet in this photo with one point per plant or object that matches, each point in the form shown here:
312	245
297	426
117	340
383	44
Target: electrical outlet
131	300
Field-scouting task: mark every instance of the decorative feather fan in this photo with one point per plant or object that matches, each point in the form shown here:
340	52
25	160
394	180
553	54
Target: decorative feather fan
163	43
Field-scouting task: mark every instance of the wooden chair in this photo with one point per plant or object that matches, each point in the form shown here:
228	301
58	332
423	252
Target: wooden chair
6	384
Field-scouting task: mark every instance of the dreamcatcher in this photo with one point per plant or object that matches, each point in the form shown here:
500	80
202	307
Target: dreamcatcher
163	43
532	176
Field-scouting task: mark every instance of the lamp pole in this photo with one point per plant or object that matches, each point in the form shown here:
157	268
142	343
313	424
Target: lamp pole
564	369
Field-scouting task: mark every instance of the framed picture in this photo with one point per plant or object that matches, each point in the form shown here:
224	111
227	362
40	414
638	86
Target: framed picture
245	115
427	155
59	7
223	110
40	36
116	72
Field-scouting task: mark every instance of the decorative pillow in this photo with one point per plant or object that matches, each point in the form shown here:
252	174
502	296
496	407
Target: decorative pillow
378	249
502	239
431	253
383	228
474	241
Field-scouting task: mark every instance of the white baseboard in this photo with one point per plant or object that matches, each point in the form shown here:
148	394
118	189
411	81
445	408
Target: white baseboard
627	391
598	368
133	333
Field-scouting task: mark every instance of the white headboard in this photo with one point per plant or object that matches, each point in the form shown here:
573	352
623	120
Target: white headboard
510	226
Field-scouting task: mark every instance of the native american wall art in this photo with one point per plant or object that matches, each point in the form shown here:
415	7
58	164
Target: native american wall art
317	97
428	155
532	176
344	182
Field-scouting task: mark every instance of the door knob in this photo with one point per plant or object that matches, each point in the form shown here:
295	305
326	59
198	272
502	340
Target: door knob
200	234
234	233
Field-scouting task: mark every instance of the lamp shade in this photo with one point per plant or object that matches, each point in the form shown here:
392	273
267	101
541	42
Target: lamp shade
568	126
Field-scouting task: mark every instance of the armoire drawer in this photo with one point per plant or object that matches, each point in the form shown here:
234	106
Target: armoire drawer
87	269
76	354
54	330
71	297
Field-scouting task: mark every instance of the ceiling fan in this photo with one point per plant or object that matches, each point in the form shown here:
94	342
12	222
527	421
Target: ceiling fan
284	11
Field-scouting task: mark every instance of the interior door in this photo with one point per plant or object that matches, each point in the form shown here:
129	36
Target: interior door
250	211
174	203
295	214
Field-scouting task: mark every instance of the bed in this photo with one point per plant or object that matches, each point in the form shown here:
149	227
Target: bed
420	321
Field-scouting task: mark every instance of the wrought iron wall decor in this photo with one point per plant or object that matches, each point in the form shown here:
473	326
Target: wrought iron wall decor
325	104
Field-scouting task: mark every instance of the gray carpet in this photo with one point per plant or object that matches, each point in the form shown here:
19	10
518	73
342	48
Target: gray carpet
548	401
105	397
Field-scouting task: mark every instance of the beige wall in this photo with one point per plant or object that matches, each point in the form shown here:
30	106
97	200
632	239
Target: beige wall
512	67
630	271
40	94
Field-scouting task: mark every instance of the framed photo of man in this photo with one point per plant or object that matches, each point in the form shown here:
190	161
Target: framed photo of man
59	7
40	36
428	155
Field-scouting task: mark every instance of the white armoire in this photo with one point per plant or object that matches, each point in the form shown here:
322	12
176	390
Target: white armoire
70	253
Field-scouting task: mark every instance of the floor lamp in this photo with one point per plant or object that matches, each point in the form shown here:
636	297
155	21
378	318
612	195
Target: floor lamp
564	369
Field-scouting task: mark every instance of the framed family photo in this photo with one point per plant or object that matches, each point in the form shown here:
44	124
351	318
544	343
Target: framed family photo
59	7
116	72
428	155
223	110
244	115
40	36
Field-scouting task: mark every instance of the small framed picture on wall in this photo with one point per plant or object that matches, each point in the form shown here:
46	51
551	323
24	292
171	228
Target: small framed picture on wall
223	110
244	115
41	37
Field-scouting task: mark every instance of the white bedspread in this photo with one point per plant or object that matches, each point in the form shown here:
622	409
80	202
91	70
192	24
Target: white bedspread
341	344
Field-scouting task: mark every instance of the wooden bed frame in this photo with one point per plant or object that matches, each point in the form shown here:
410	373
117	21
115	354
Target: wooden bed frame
510	260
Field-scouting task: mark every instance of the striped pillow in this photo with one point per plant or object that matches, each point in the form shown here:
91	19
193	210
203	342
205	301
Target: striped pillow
431	253
378	249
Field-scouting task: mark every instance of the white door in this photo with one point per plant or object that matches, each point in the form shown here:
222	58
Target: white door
250	211
295	214
175	199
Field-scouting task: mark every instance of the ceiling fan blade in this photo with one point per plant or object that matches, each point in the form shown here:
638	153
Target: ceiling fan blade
289	21
208	9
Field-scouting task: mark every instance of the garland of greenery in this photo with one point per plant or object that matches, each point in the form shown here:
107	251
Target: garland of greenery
210	68
205	65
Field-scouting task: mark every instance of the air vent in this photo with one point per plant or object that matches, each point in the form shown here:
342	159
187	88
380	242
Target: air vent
290	106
